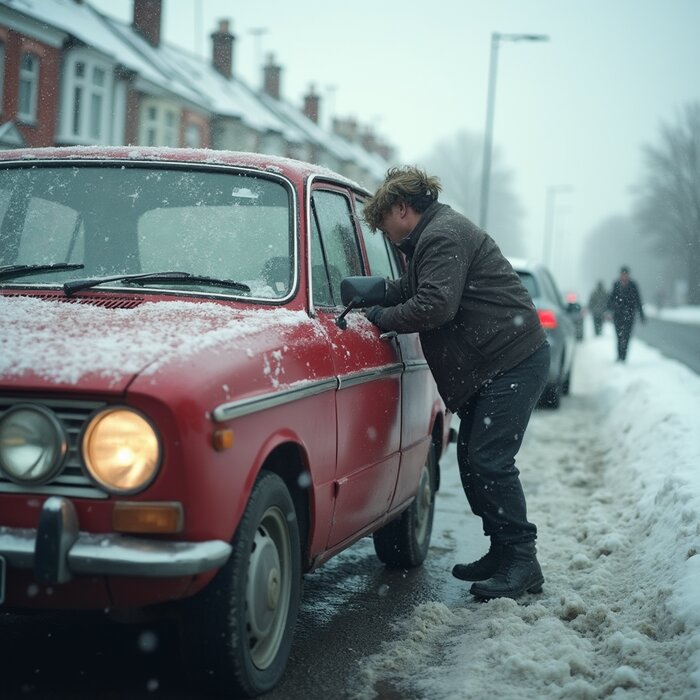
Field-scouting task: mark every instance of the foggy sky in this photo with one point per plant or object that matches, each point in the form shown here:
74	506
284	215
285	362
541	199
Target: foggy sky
573	111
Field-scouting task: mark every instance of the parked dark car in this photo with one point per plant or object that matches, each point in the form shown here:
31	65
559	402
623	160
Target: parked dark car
556	318
188	417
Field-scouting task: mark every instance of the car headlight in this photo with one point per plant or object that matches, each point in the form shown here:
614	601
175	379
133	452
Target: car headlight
121	450
33	444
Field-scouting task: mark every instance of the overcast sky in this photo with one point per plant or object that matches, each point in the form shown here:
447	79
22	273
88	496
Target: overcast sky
573	111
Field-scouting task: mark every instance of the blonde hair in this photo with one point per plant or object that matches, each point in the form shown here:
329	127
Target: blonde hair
407	184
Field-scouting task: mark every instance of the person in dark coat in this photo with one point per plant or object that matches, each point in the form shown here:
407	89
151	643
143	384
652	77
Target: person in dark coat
625	302
597	305
488	353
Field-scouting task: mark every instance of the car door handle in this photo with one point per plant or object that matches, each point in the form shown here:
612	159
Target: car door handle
388	335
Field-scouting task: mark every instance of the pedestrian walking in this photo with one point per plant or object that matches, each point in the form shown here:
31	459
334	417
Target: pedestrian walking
598	305
486	348
625	302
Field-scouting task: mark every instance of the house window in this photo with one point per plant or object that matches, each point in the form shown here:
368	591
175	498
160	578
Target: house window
28	87
87	99
193	136
160	125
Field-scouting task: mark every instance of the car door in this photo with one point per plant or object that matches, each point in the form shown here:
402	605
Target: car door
417	381
368	399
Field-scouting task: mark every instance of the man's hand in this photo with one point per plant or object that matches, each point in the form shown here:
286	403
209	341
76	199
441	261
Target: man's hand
374	314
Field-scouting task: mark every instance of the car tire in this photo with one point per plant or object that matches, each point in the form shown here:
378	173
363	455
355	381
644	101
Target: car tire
236	633
404	542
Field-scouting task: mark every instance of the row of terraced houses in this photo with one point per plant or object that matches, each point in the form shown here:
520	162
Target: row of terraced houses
70	75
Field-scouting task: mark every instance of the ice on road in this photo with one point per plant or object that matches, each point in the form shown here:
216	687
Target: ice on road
613	483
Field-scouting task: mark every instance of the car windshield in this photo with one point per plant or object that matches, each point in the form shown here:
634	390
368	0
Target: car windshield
131	219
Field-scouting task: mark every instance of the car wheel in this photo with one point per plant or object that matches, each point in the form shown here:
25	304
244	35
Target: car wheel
237	633
404	542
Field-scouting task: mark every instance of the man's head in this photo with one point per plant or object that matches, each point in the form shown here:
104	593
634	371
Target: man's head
624	273
401	199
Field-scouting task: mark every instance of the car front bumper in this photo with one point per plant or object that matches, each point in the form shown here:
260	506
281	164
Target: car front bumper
57	551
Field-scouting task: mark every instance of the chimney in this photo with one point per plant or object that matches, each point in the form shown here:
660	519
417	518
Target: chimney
311	105
271	77
147	20
222	49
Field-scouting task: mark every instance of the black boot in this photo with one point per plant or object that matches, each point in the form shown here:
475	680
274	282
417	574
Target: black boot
483	568
519	571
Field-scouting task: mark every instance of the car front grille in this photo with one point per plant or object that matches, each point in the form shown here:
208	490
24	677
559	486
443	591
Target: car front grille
72	480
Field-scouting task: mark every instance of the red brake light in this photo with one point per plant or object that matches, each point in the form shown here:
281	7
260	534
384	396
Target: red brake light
547	318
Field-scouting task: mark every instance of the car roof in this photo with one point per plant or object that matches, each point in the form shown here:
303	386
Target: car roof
293	169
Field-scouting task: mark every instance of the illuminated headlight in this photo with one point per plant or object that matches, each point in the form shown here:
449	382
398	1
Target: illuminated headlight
32	444
121	450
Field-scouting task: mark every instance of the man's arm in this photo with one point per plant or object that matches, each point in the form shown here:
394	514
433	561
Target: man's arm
441	268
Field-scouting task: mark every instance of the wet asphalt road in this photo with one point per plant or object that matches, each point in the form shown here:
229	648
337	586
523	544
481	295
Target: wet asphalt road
679	341
349	607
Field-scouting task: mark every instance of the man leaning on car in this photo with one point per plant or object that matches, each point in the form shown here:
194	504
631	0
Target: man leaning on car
486	348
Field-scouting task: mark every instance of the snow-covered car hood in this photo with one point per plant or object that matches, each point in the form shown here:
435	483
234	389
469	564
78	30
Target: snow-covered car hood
53	344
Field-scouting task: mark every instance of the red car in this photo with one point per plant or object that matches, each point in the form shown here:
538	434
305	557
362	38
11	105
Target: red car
186	415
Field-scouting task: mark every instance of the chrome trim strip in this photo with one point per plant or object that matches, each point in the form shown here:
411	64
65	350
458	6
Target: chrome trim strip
55	489
242	407
120	555
416	365
369	375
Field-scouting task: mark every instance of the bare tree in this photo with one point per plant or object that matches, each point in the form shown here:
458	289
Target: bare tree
668	205
457	162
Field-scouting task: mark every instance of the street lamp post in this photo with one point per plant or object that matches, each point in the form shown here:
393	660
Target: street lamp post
548	239
257	33
496	37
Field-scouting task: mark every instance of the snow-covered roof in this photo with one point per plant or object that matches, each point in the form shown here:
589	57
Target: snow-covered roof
170	69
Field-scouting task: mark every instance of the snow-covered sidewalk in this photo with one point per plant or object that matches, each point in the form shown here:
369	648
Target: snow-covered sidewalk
613	483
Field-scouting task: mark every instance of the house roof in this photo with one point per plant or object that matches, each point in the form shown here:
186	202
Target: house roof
170	69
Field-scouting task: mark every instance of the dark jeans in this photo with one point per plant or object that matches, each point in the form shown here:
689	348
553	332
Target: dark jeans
490	434
623	330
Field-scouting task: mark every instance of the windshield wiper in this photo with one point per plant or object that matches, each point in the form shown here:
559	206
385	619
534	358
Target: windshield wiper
148	277
9	271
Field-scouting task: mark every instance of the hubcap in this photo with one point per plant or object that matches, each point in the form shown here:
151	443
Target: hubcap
424	501
268	588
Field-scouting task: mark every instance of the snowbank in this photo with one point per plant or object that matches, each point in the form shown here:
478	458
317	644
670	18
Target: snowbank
613	483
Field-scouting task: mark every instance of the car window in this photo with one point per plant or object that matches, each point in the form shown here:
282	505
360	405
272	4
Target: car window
336	240
123	220
529	282
380	254
552	289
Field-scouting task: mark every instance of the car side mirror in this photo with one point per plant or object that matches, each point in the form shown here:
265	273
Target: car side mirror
357	292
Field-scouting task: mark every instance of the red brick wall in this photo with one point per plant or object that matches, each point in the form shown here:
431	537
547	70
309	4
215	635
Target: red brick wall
42	132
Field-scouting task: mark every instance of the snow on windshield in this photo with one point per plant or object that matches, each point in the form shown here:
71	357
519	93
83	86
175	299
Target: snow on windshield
613	483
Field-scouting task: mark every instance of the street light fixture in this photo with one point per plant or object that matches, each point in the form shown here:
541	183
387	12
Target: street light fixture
496	38
548	247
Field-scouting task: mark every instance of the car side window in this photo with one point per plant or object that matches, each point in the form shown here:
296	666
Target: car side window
552	290
336	243
381	257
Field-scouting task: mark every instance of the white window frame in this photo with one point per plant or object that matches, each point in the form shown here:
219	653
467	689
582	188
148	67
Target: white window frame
28	77
78	124
160	123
